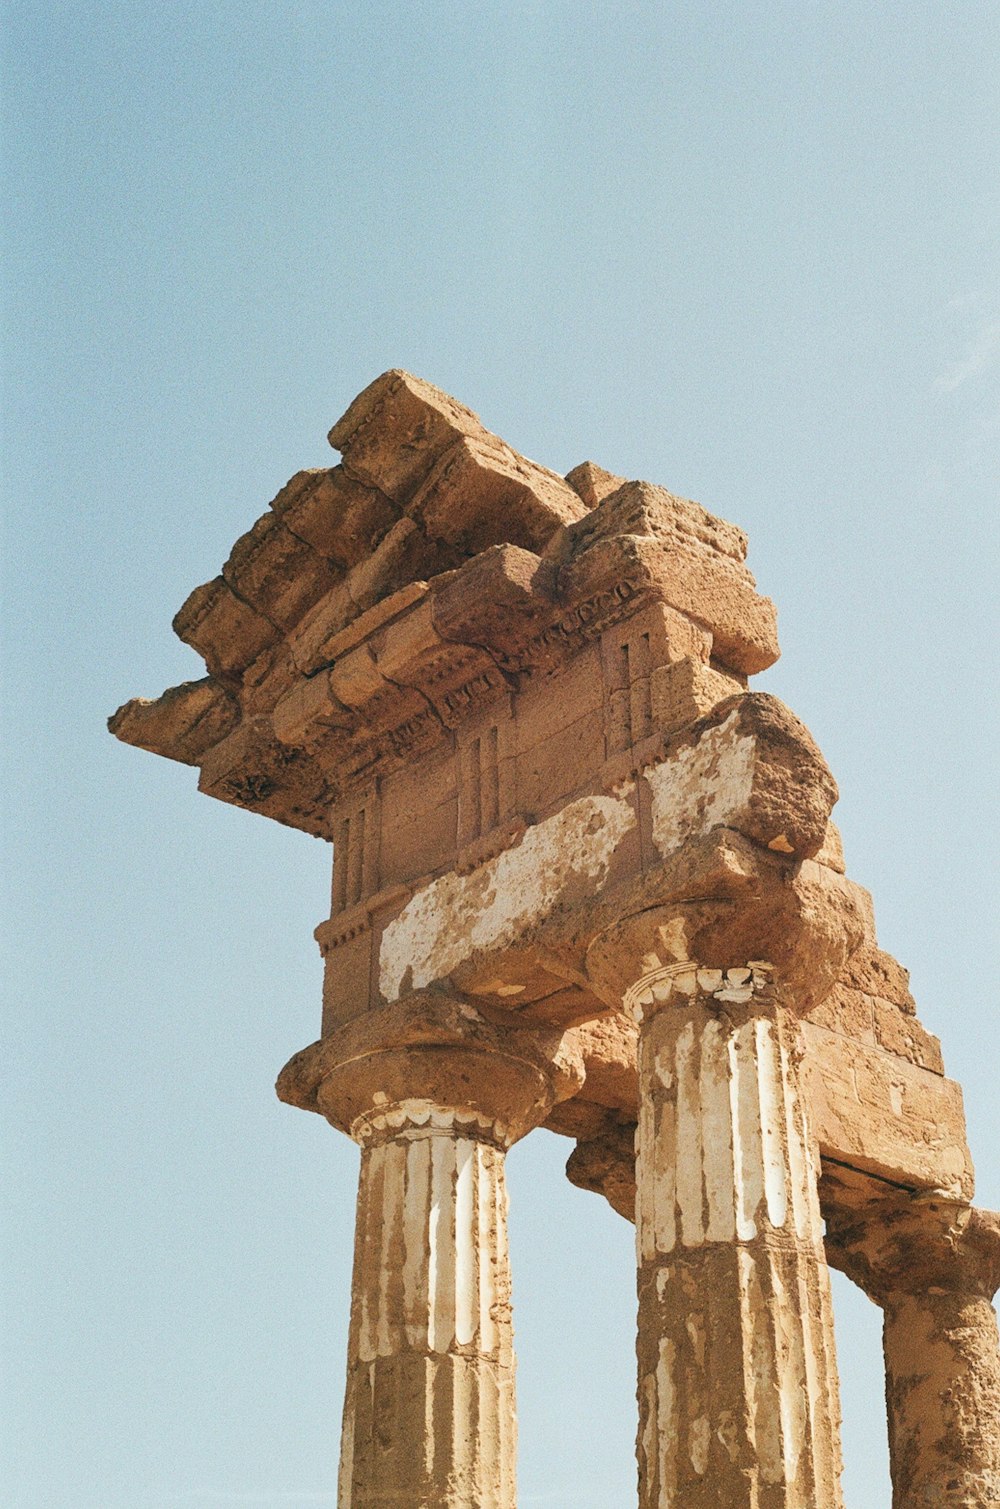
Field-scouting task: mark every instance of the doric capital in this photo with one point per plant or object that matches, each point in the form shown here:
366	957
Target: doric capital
793	929
431	1062
916	1245
676	984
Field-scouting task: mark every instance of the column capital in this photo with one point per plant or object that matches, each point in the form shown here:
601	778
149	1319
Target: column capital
677	984
800	921
432	1062
917	1245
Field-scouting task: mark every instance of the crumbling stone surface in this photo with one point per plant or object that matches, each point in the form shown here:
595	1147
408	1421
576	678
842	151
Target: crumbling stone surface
933	1265
585	878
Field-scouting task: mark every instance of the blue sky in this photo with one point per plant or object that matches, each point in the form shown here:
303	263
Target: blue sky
747	251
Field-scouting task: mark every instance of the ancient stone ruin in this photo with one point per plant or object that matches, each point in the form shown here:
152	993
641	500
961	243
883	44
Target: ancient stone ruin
584	879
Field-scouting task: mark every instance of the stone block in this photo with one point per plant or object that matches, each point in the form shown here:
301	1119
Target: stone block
546	704
403	557
341	519
831	853
605	1165
419	819
640	508
593	483
500	599
252	769
712	589
608	1046
880	1116
481	493
307	709
873	970
396	430
899	1032
182	724
277	573
883	1115
849	1012
752	765
346	978
685	690
227	633
554	767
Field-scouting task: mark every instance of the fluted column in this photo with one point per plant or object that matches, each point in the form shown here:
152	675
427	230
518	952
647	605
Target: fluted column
738	1395
933	1264
430	1353
434	1094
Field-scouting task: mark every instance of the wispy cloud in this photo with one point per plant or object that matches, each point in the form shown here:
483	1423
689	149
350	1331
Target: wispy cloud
981	352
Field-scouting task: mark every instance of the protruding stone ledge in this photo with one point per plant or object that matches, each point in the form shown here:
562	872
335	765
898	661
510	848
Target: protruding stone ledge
184	723
434	1048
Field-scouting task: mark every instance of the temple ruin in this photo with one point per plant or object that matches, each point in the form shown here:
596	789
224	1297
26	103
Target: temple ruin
584	879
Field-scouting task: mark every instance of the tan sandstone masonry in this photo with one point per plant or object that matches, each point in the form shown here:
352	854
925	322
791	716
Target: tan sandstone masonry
517	706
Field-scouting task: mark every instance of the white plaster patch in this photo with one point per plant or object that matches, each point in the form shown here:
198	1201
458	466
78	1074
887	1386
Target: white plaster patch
446	921
702	785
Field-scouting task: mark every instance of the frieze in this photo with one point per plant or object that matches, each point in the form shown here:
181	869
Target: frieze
576	628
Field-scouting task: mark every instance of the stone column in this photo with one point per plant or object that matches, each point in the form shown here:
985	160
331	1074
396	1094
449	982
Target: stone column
738	1395
435	1095
429	1413
933	1265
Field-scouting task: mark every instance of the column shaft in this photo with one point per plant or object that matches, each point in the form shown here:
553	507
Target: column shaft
942	1364
737	1379
429	1413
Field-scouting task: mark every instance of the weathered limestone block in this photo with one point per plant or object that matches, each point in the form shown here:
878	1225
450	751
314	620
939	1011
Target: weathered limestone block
227	633
309	706
709	587
341	519
274	780
872	970
396	429
183	723
685	690
435	1095
899	1032
482	493
393	574
933	1265
881	1114
641	508
605	1164
277	573
501	599
593	483
750	765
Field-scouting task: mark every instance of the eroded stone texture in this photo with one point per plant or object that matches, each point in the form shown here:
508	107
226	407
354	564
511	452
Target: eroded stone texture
933	1265
517	705
738	1400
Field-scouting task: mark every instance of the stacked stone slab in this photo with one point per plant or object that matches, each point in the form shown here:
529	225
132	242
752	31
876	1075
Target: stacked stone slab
585	879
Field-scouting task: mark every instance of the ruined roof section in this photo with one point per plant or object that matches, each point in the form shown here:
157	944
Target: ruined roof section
376	601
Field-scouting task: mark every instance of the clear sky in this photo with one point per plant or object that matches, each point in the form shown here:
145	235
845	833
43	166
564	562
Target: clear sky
746	250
